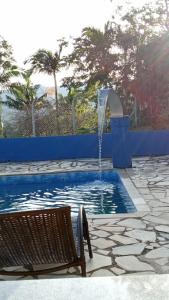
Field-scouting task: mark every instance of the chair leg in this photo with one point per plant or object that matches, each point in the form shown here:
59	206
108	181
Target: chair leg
87	237
83	268
89	248
86	234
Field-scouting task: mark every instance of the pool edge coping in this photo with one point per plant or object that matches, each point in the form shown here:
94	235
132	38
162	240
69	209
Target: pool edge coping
137	199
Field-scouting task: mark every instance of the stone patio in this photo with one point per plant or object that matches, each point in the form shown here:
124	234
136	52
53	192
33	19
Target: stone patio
123	244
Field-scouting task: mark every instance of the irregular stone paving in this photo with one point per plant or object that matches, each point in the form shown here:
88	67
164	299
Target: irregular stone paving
122	244
52	166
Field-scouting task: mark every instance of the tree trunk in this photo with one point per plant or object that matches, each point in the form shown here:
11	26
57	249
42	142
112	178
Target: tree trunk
167	14
73	116
1	123
135	113
138	72
33	120
56	103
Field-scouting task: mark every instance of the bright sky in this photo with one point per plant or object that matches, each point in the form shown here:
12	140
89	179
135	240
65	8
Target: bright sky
32	24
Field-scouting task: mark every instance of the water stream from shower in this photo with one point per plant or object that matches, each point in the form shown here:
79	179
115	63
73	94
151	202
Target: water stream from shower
102	102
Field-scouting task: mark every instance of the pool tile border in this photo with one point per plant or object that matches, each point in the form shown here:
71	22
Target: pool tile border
135	196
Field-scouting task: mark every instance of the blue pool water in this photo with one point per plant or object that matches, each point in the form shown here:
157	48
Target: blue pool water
24	192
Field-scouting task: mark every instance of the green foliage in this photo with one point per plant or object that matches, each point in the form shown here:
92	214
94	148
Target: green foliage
8	67
130	54
47	62
21	96
92	58
50	63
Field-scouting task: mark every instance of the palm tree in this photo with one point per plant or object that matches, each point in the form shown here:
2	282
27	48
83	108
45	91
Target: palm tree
24	97
50	63
73	94
92	56
8	69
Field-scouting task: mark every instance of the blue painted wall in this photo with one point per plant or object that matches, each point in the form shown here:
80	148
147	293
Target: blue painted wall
144	143
121	152
51	148
139	143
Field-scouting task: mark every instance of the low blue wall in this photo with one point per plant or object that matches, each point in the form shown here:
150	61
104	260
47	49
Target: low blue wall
139	143
53	148
144	143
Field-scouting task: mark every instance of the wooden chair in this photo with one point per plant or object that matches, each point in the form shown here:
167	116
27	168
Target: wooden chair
46	236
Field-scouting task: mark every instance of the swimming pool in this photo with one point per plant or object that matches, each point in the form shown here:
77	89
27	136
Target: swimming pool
28	192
